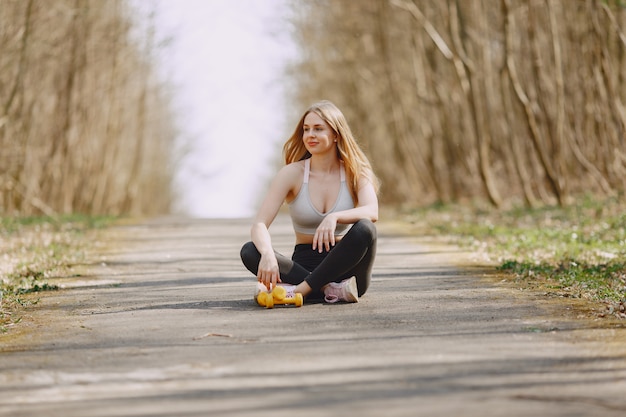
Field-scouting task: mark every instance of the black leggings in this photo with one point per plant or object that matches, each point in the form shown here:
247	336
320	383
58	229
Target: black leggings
352	256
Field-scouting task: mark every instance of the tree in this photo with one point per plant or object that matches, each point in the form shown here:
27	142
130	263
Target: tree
508	101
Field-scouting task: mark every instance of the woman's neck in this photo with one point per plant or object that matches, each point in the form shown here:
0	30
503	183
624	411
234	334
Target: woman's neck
326	164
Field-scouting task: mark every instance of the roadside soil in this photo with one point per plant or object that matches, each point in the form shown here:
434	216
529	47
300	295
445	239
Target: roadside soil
161	322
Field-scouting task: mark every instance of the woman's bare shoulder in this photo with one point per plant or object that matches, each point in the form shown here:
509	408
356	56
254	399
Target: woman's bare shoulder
293	170
291	177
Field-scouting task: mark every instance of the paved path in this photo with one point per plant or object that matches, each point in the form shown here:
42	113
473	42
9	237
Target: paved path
163	324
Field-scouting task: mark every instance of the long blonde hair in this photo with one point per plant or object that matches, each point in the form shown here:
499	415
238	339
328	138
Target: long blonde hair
355	162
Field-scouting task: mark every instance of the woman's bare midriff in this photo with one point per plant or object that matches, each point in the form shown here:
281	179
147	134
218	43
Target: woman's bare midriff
304	239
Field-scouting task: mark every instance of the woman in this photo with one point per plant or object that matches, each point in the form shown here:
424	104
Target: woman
329	185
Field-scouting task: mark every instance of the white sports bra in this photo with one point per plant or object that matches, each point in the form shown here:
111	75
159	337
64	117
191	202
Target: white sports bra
305	217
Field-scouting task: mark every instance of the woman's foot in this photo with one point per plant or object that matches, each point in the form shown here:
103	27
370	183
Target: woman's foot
303	288
345	290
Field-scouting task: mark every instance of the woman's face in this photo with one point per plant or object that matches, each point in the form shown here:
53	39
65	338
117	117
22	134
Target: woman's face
317	135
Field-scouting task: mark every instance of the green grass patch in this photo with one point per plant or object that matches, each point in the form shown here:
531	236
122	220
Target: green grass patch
576	251
77	222
34	250
602	282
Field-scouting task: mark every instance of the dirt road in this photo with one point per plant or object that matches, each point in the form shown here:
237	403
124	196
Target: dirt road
161	322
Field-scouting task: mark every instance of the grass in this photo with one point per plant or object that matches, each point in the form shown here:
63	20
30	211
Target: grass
577	251
32	251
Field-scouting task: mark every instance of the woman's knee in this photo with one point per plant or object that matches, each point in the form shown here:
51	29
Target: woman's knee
248	253
365	228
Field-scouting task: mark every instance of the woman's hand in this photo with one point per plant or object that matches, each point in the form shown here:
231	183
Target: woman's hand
268	273
324	237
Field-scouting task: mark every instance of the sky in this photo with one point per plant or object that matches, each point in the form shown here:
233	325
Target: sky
225	60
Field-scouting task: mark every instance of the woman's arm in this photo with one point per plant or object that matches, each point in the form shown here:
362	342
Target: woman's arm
280	188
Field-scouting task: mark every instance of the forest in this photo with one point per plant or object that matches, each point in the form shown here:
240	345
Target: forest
85	123
506	102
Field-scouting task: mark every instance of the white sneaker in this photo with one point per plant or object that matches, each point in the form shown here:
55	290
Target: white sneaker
259	289
345	290
291	290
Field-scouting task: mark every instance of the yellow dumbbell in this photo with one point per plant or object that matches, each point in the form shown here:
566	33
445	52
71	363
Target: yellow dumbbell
279	296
